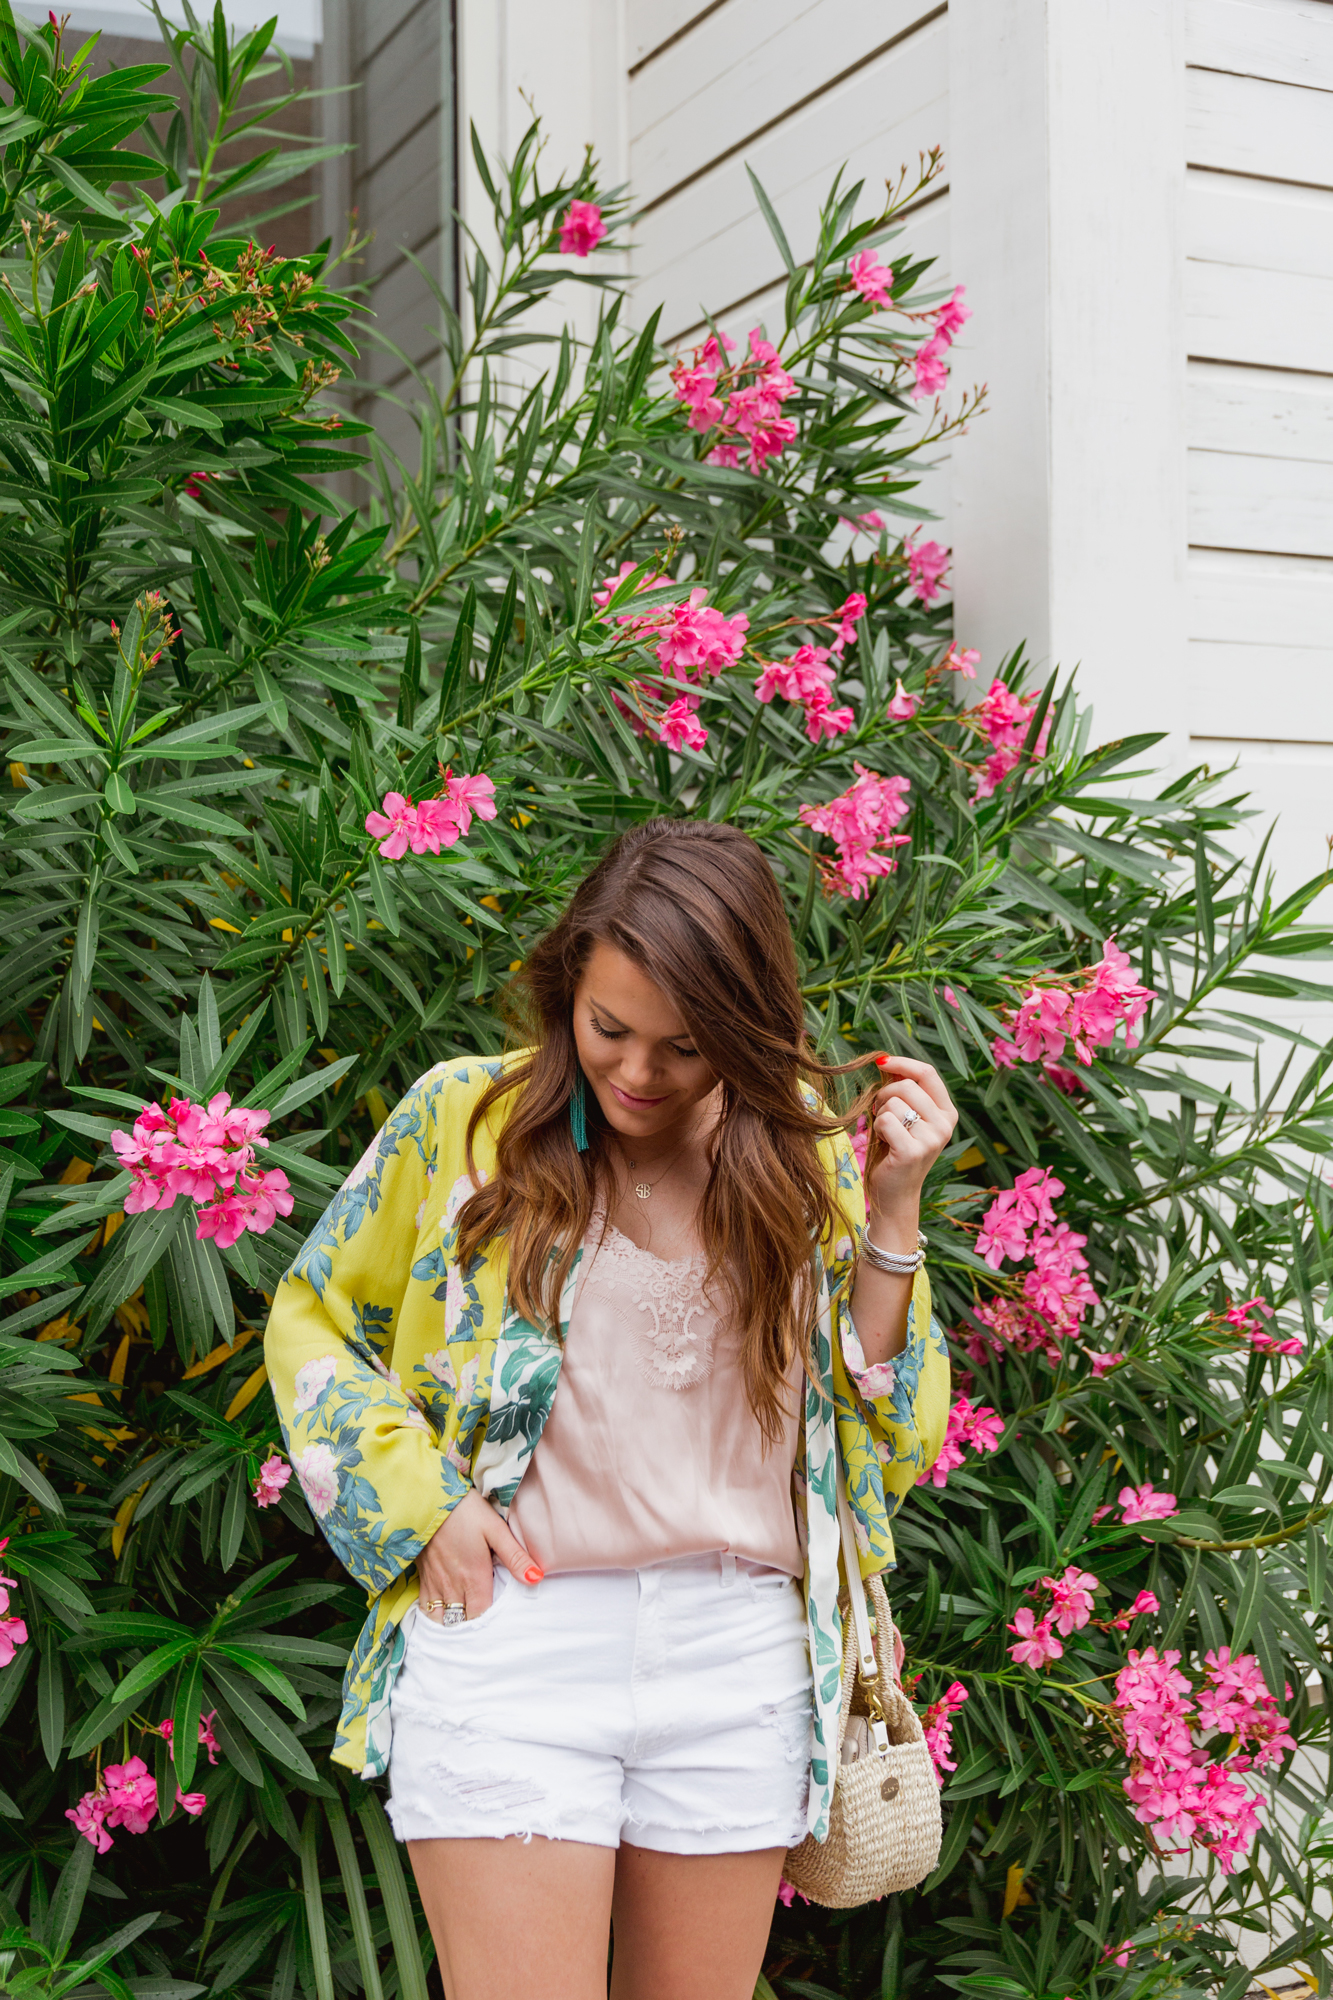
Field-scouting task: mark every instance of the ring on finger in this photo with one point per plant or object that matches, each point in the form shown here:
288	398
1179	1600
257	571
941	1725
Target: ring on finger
909	1119
454	1614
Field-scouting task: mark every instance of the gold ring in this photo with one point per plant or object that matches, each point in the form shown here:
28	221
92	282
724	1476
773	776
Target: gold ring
432	1604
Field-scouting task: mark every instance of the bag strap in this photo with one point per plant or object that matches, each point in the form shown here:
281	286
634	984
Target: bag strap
868	1666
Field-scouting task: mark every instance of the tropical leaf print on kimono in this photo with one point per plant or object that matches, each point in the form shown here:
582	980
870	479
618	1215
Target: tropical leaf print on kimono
360	1194
335	1407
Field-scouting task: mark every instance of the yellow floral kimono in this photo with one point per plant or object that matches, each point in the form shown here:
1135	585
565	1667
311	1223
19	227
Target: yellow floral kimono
402	1382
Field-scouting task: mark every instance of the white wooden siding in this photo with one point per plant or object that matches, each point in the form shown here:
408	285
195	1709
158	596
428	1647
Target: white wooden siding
1258	229
863	87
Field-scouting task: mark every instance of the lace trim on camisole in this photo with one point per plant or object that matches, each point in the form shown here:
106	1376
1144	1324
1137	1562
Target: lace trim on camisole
674	1345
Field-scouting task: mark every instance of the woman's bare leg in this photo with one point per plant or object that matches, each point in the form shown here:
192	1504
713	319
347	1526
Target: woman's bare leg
515	1919
687	1924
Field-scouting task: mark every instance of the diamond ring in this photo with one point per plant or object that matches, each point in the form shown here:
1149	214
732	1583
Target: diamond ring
909	1119
454	1614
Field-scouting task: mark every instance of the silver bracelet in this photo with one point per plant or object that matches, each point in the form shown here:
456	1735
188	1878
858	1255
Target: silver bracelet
897	1266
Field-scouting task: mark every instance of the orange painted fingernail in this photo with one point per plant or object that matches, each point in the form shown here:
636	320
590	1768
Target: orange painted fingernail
882	1062
532	1574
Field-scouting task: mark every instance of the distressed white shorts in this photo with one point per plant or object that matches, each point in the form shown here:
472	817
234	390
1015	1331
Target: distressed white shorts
670	1705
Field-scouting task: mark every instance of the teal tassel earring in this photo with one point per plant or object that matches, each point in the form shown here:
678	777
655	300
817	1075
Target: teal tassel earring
578	1115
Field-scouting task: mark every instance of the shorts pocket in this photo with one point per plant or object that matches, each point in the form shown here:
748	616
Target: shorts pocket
451	1635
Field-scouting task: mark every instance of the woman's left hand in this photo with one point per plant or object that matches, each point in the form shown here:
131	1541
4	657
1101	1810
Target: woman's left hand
913	1119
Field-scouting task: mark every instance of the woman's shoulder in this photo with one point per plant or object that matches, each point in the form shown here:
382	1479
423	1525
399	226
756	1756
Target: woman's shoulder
456	1084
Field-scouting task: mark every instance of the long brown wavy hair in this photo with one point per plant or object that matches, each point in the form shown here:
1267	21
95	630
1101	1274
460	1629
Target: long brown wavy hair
694	906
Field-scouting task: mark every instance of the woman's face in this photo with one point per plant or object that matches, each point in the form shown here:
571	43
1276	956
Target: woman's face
635	1050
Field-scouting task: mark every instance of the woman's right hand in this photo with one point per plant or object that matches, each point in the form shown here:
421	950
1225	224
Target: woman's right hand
455	1567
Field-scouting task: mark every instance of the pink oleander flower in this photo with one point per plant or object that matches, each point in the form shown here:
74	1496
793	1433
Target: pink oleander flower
962	660
865	524
860	822
254	1203
981	1428
822	719
206	1152
1172	1785
394	827
932	374
904	705
132	1795
873	280
1144	1503
861	1144
273	1476
804	676
1101	1364
926	564
89	1817
1071	1599
953	314
166	1729
728	455
1037	1644
1086	1010
1145	1605
1002	1235
680	729
466	796
937	1727
191	1802
787	1895
952	998
582	229
695	640
13	1634
849	614
1239	1315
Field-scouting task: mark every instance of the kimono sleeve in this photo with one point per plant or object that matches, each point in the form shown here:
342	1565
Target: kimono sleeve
367	1460
905	1400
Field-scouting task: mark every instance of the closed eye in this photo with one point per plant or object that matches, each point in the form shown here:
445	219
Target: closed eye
619	1034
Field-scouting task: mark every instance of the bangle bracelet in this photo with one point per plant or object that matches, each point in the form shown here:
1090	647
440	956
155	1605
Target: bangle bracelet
896	1265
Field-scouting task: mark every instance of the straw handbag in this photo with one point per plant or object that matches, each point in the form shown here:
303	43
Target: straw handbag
884	1820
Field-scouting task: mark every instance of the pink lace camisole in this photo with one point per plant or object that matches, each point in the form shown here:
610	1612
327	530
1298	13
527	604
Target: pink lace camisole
651	1450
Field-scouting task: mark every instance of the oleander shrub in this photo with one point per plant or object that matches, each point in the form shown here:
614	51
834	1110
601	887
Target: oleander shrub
294	777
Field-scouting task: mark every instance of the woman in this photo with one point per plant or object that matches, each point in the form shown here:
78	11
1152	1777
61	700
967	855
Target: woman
588	1663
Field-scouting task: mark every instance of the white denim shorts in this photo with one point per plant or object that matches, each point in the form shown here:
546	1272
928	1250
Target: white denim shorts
670	1705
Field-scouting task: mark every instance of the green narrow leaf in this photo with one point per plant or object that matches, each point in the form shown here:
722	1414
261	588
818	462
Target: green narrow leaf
409	681
955	1840
51	1701
382	895
210	1032
233	1517
62	1919
185	1713
314	1904
354	1890
458	661
500	637
1316	1565
1249	1604
397	1902
775	228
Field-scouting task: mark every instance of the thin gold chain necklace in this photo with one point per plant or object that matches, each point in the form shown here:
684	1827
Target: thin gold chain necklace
644	1189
